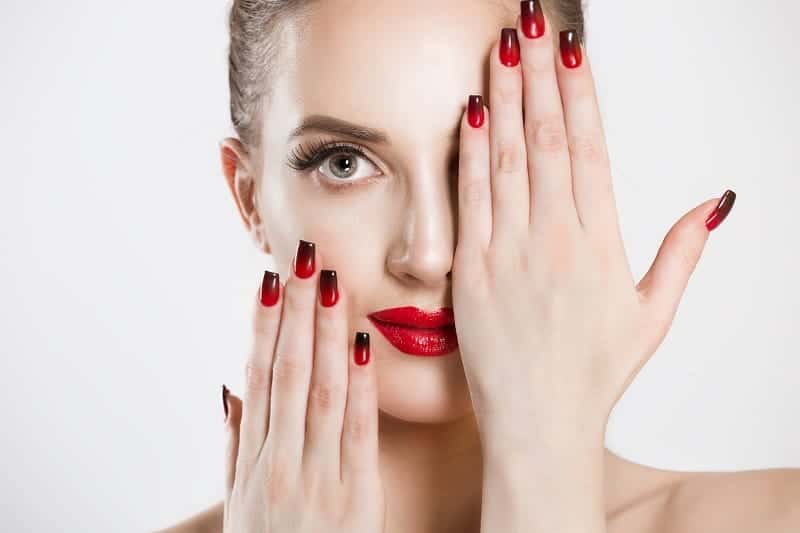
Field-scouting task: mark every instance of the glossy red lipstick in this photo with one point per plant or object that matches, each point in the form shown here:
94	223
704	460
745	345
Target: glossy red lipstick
417	332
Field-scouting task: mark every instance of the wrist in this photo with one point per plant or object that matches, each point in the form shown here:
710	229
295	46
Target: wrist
559	439
547	487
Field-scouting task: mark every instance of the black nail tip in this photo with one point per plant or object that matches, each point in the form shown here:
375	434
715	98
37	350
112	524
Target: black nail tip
225	393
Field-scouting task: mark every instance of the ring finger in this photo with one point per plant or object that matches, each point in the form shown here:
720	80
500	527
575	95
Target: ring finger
327	395
509	171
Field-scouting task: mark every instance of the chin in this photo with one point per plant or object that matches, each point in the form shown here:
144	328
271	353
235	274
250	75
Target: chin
425	390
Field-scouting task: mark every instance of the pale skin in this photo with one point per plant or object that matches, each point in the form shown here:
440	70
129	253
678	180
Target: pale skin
446	457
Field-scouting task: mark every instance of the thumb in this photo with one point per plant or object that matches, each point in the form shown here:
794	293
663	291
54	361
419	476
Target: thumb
662	287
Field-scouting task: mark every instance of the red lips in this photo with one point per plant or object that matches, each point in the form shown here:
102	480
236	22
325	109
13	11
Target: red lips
417	332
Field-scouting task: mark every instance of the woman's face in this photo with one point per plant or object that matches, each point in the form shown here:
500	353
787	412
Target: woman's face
385	221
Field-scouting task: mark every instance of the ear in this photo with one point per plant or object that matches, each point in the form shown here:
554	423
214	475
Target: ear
239	174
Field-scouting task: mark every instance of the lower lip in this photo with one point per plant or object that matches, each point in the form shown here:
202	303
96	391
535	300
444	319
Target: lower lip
424	342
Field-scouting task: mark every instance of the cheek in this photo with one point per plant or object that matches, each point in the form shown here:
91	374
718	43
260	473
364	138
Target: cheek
352	232
358	254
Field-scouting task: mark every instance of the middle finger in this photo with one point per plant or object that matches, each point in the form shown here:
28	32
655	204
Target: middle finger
291	371
545	129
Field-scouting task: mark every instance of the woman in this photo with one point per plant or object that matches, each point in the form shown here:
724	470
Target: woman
458	318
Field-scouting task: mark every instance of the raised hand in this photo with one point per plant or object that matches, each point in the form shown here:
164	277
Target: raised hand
552	327
303	444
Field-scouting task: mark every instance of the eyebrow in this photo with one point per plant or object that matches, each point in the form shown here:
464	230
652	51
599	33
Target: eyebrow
327	123
341	127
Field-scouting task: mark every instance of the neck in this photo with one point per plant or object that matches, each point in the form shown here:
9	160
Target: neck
433	472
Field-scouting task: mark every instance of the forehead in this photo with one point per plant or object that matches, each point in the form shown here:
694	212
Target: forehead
405	67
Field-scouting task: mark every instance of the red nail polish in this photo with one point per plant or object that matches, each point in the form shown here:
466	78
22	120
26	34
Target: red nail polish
571	54
328	288
270	288
475	110
532	18
361	351
225	392
509	47
304	260
721	211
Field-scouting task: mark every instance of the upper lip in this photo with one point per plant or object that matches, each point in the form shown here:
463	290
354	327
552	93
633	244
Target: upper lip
415	317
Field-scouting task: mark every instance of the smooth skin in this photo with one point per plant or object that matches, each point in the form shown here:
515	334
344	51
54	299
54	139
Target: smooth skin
407	68
306	448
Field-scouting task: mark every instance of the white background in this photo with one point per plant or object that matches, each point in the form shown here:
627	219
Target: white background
125	272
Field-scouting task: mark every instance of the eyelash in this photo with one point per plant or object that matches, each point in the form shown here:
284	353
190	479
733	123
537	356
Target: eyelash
302	158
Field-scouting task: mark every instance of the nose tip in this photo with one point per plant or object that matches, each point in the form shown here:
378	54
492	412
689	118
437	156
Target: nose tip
428	265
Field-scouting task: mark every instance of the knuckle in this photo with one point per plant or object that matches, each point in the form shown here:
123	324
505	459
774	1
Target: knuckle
586	148
473	192
326	397
507	93
298	299
687	256
509	159
265	320
256	376
289	371
330	327
278	482
359	429
538	62
470	269
547	134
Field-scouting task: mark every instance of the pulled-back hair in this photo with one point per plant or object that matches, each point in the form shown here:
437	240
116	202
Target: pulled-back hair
255	44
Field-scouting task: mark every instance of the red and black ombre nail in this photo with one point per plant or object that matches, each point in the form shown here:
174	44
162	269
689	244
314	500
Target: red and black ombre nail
270	288
225	392
721	211
571	53
304	261
509	47
475	110
532	18
361	351
328	288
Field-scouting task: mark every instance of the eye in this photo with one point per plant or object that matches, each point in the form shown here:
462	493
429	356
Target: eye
340	163
344	164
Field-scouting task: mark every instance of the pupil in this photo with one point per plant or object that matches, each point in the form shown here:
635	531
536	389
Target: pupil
348	166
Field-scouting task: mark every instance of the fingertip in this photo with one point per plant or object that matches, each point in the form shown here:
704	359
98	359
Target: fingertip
722	207
269	289
232	407
360	430
361	349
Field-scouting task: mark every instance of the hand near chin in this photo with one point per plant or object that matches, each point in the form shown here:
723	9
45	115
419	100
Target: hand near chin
303	443
552	327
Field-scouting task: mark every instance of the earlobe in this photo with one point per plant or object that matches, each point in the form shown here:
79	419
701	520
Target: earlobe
242	184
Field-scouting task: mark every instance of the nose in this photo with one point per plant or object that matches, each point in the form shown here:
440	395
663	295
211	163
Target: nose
423	251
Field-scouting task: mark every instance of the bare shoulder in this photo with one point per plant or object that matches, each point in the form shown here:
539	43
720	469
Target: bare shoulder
750	501
207	521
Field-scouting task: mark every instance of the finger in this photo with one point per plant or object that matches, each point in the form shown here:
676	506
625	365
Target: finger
474	186
291	370
663	285
359	460
328	391
509	169
258	370
545	131
591	171
232	427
